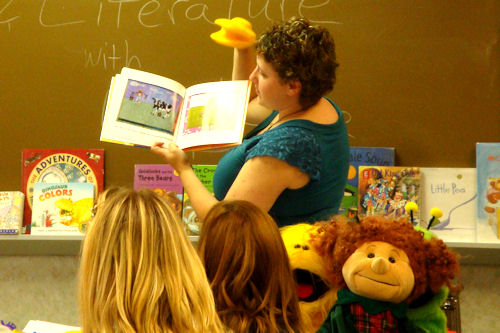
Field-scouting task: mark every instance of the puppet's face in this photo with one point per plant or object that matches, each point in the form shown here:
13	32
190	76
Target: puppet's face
315	296
379	271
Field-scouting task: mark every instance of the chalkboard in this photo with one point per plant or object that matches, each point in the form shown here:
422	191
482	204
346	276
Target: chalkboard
420	76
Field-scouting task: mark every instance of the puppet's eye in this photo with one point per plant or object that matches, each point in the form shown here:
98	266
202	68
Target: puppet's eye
305	247
371	255
297	246
391	259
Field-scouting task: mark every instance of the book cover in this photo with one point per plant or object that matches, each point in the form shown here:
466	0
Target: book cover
59	166
192	223
488	185
383	156
162	179
61	208
385	190
143	108
11	212
454	191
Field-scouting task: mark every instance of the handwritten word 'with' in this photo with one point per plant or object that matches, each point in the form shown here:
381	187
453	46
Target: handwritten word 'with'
110	55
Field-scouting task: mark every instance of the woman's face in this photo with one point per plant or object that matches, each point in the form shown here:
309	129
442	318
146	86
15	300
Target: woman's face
270	89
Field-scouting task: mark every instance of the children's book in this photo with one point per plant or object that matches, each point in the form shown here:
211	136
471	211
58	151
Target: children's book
383	156
488	186
385	190
162	179
39	326
11	212
454	192
143	108
61	208
59	166
191	221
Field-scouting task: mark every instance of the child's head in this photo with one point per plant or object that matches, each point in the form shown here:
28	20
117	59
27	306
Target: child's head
248	268
139	273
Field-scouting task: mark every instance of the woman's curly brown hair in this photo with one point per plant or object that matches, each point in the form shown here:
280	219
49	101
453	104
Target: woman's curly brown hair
432	262
300	51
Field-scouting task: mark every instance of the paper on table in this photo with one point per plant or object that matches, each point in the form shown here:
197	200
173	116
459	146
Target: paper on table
39	326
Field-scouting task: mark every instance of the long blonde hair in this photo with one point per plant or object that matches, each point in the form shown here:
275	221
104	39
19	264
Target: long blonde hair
139	272
248	269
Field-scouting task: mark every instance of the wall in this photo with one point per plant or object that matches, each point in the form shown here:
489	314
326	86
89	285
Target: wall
44	288
422	77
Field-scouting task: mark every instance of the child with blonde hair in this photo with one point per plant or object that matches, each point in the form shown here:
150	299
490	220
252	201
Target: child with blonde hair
139	272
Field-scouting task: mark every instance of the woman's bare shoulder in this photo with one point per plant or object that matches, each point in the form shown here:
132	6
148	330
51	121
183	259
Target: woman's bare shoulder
322	112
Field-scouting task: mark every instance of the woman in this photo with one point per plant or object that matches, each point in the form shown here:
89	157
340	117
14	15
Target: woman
248	269
139	273
294	163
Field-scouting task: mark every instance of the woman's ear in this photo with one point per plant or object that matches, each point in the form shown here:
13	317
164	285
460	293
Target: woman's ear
294	87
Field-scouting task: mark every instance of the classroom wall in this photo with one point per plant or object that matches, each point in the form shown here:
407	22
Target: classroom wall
420	76
44	288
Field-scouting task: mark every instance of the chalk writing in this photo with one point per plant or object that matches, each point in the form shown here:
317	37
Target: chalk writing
100	57
43	24
9	20
189	9
302	5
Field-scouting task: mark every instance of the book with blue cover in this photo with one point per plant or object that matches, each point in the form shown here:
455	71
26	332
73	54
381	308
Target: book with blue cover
383	156
488	185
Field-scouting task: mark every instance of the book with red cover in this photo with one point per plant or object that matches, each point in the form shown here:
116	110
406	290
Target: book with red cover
59	166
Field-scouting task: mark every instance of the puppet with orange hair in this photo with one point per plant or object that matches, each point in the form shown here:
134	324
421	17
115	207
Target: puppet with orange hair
392	276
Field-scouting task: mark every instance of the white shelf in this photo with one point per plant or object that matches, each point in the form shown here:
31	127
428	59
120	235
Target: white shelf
45	245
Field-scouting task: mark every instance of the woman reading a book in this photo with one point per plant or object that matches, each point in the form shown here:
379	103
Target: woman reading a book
294	163
248	269
139	272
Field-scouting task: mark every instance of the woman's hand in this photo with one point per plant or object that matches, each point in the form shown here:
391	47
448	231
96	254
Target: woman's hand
173	155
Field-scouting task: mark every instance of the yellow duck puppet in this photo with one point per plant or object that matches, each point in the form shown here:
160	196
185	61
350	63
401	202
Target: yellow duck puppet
315	294
392	277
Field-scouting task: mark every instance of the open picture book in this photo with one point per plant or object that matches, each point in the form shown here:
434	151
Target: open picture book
143	108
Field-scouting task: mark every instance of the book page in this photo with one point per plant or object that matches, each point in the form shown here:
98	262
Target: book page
142	108
213	114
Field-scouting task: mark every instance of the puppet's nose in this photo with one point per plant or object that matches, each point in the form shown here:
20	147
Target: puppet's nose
380	265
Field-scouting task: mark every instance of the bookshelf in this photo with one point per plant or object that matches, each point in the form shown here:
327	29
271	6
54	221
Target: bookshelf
31	245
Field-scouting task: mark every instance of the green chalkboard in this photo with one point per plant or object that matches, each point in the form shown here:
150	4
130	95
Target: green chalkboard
420	76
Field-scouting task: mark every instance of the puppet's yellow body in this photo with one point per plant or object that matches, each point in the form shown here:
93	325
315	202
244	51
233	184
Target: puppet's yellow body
316	296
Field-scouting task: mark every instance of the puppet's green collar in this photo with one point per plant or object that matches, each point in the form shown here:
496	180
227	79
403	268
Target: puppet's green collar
398	310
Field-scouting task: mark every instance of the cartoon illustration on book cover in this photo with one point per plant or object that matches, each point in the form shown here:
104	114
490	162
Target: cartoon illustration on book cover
191	221
454	192
386	190
162	179
382	156
59	166
11	212
62	207
488	184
